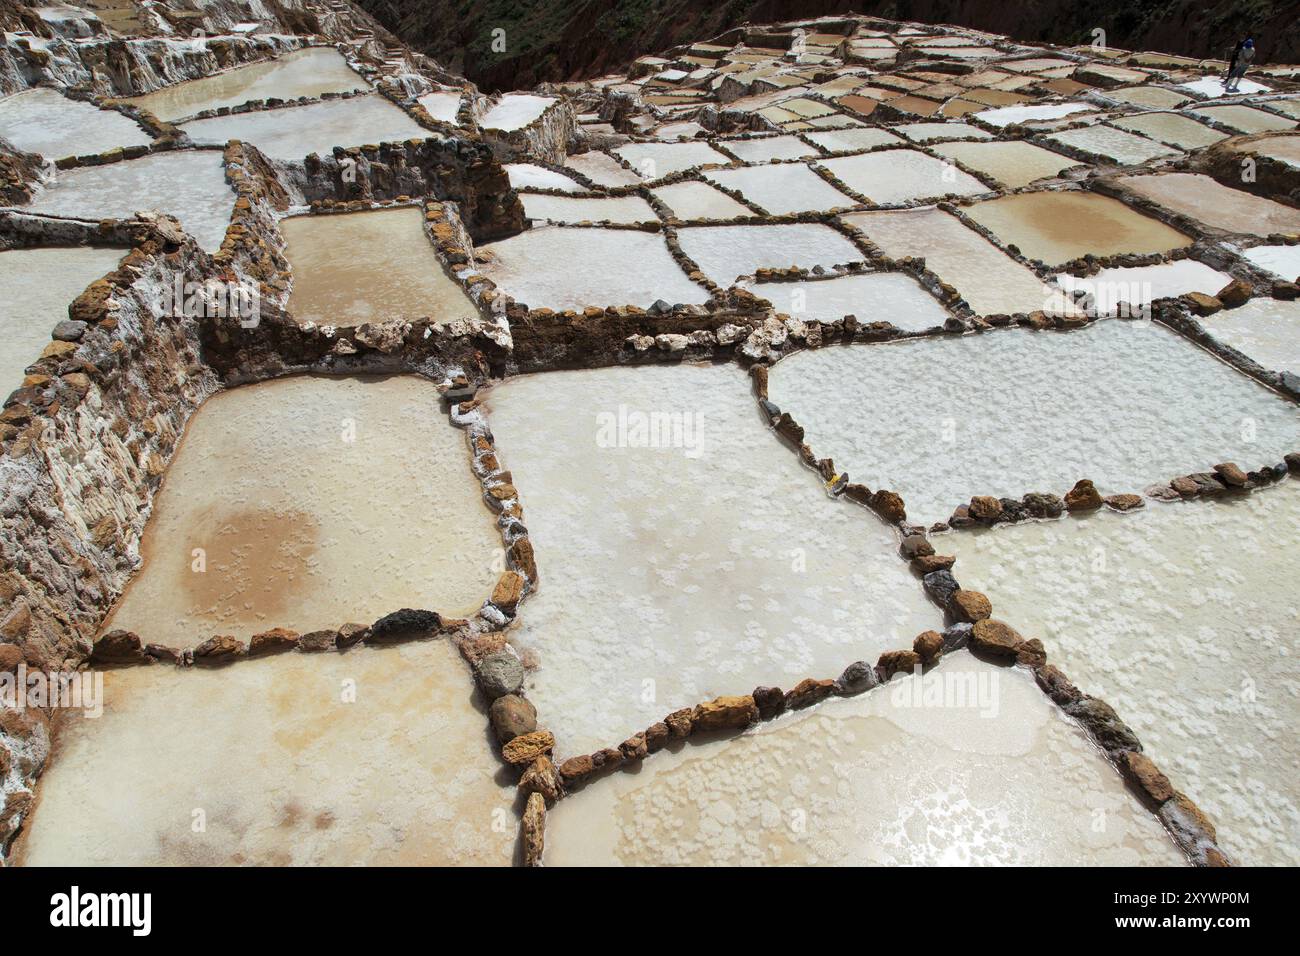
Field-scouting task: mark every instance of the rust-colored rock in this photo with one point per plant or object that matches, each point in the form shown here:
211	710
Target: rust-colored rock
275	641
526	748
634	748
770	702
1031	653
508	591
1230	474
1123	502
924	564
1083	497
1056	685
521	557
928	646
215	651
1234	294
897	662
1202	304
657	736
969	606
724	713
985	508
679	722
512	716
117	647
1140	771
995	638
889	505
809	691
576	768
542	777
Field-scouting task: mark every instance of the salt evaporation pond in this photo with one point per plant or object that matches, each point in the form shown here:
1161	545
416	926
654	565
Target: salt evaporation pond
1058	227
696	200
1266	330
36	288
1284	148
968	765
1123	147
991	282
316	502
1283	261
623	209
601	168
870	297
1007	115
1173	128
1183	624
311	72
442	105
704	566
1139	286
532	176
782	188
725	253
846	140
934	132
188	184
377	757
901	175
654	160
1206	200
292	133
47	122
768	148
515	111
565	267
1244	119
1125	403
1013	164
353	268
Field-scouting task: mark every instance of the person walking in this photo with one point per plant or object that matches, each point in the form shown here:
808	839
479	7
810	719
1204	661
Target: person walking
1243	54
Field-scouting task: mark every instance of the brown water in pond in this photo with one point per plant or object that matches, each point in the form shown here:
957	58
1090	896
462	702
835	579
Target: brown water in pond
360	267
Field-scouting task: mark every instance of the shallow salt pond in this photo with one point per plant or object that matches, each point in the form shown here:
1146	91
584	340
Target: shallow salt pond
602	169
1012	164
515	111
1206	200
1124	403
1177	619
1283	261
782	188
871	297
292	133
1244	119
441	105
969	765
623	209
1150	97
768	148
563	267
188	184
1057	227
845	140
1267	330
1141	285
991	282
931	132
1285	148
315	501
654	160
47	122
353	268
376	756
1007	115
724	253
901	175
1173	128
1126	148
696	200
530	175
36	288
673	570
311	72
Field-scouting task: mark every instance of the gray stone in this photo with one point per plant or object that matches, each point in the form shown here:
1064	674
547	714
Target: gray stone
857	677
940	585
500	674
69	330
512	716
956	636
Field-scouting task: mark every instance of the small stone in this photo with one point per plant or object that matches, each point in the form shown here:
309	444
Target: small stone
808	692
770	702
724	713
985	509
1185	486
533	830
889	505
274	641
512	716
500	674
1234	294
117	647
526	748
1083	497
10	657
679	723
1056	685
404	625
1100	720
858	677
928	646
1230	474
69	330
995	638
313	642
969	606
1292	460
1190	828
915	546
1286	290
634	748
941	586
927	563
1031	653
576	768
215	651
897	662
163	654
1123	502
1145	776
956	636
351	634
508	591
656	737
1042	505
542	777
1202	304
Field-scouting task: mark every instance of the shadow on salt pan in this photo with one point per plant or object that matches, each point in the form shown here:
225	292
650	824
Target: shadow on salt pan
1125	403
969	765
683	555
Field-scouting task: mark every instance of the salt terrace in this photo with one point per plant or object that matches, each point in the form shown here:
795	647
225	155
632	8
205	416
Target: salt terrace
519	410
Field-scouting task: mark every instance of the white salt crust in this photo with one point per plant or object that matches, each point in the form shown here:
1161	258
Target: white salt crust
602	169
904	775
1184	618
1012	164
1141	285
1121	146
1282	261
47	122
696	200
656	160
1176	128
526	175
574	267
768	148
1267	330
569	209
380	511
671	575
870	297
280	767
724	253
515	111
1208	201
782	188
901	175
1124	403
189	184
